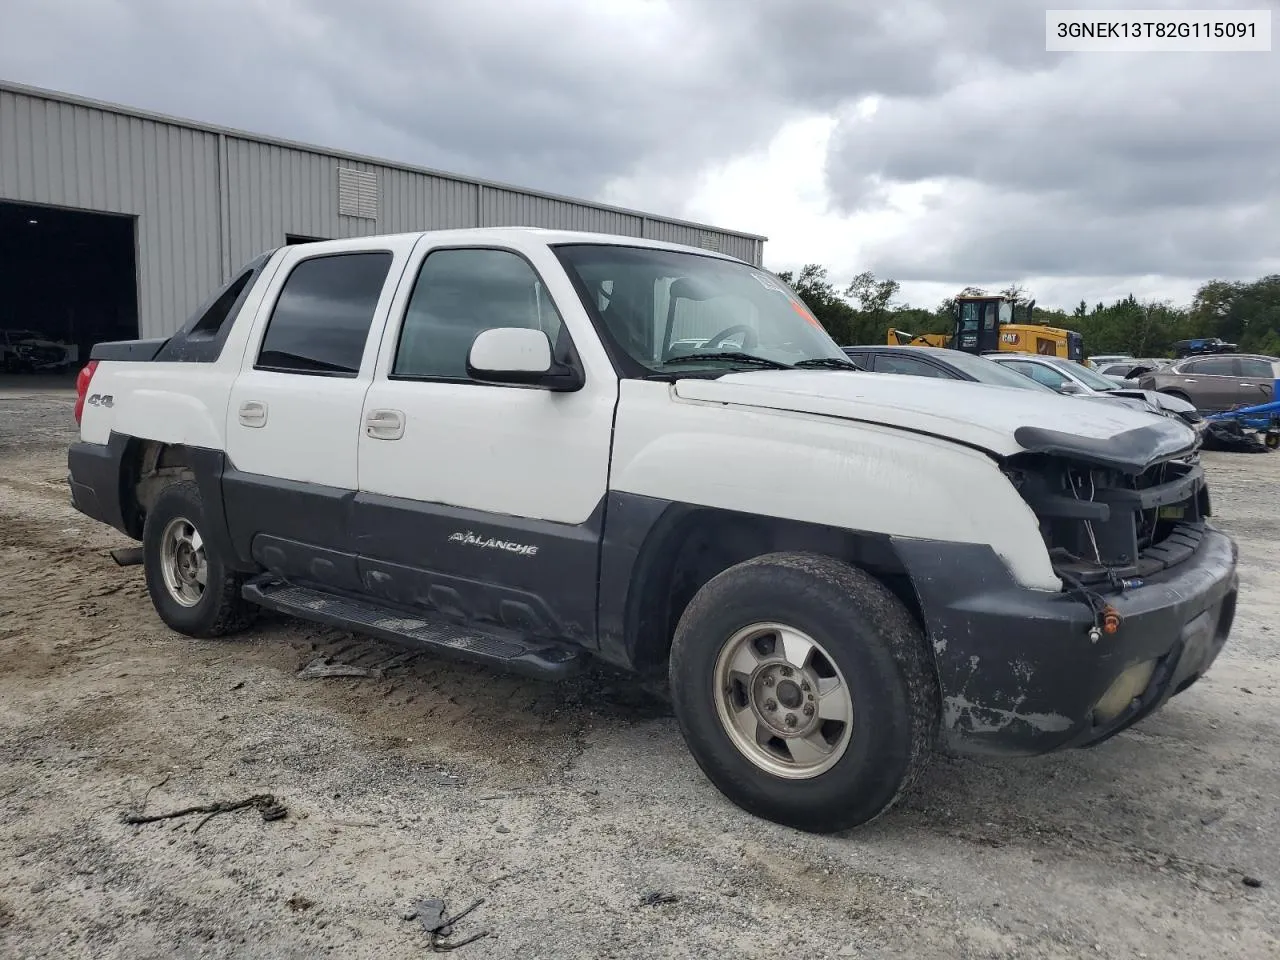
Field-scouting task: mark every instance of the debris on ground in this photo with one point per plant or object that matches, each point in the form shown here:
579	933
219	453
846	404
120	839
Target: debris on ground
266	803
321	669
1230	437
655	897
299	902
1252	882
431	914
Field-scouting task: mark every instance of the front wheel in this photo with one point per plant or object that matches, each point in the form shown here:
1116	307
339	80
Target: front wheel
803	689
190	585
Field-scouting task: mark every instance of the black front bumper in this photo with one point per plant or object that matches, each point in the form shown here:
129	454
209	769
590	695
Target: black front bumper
1018	671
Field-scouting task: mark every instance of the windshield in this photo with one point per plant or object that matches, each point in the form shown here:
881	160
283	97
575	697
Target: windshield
1089	378
988	371
671	312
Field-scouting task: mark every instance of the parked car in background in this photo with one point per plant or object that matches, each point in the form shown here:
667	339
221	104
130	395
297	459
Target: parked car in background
1065	376
1127	372
23	351
938	362
1202	345
1101	359
1217	383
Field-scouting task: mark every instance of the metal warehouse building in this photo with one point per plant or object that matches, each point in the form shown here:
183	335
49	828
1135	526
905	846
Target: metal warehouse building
117	223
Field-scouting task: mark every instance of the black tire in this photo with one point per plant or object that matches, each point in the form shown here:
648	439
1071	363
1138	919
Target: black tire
873	641
221	610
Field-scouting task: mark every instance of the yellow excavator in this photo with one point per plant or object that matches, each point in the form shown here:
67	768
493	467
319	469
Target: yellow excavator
986	323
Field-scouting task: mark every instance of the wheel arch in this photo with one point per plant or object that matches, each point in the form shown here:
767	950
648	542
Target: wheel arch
645	589
148	466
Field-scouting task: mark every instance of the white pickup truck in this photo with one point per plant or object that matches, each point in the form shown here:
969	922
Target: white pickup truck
530	447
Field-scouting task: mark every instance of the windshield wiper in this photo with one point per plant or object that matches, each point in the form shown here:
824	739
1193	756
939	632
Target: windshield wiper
829	363
732	356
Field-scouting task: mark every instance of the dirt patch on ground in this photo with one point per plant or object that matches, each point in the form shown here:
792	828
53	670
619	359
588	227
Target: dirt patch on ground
565	806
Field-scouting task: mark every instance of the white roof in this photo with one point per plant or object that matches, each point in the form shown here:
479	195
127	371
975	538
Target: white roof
517	237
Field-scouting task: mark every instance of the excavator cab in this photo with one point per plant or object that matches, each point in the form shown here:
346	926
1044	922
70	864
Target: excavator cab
978	322
988	324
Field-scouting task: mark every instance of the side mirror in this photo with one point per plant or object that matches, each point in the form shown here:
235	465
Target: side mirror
1069	388
519	356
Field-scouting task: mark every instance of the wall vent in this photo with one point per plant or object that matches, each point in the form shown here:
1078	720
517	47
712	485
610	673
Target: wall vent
357	194
710	241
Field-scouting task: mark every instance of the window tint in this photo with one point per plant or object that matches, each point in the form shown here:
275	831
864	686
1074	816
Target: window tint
458	295
1041	374
322	319
1261	369
1212	367
888	363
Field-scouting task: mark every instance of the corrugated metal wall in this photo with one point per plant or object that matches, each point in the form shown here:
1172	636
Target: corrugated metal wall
207	200
67	155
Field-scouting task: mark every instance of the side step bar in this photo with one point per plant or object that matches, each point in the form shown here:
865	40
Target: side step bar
504	650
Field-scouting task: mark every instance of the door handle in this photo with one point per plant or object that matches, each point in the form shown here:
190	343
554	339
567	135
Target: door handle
384	424
1187	380
253	414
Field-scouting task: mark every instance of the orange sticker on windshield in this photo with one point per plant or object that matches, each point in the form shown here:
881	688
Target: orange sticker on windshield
800	309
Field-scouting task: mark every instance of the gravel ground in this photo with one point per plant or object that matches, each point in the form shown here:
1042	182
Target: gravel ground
564	807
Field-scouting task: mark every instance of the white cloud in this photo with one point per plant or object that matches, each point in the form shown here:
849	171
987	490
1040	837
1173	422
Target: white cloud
936	143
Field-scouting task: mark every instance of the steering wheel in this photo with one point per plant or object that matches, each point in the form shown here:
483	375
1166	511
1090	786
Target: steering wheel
749	338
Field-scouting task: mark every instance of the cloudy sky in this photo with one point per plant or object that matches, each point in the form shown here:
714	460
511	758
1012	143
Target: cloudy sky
933	142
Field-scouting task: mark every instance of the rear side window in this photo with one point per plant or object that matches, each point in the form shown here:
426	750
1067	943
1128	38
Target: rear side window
321	321
1259	369
909	366
212	322
1213	367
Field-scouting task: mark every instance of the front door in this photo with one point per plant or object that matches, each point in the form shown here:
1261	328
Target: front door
479	501
293	419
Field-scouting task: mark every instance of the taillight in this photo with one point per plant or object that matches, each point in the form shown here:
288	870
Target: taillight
82	386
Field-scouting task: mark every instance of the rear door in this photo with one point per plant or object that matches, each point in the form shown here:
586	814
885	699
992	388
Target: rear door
1257	381
293	420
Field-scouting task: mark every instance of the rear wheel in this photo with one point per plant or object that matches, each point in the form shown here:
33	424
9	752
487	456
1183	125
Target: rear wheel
804	691
190	585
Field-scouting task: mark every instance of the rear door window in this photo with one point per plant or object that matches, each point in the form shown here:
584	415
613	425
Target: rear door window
888	363
321	320
1256	369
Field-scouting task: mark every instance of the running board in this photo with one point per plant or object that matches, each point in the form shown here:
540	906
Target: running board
505	650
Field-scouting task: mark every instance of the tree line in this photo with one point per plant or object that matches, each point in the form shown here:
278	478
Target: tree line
1244	313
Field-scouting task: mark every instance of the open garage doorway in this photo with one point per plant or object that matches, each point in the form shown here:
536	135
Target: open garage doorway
68	280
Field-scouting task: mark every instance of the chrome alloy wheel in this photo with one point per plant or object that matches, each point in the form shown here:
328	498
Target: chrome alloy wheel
182	562
783	701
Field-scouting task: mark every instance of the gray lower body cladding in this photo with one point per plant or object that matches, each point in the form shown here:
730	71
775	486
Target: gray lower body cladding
1018	670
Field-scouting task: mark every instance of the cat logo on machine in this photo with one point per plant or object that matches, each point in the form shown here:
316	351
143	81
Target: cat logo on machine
1009	338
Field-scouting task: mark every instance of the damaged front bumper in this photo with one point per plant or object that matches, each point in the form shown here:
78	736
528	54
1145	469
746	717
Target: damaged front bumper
1023	673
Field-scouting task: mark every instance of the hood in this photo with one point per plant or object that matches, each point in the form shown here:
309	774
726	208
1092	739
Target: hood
1003	421
1161	401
